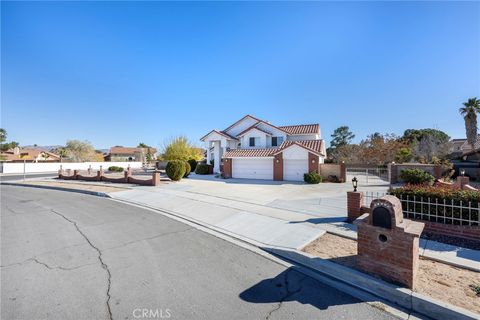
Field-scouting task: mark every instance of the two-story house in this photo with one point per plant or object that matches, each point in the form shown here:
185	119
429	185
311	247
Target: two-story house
256	149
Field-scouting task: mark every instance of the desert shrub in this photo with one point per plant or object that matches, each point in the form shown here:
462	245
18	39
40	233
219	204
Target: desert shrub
193	164
416	176
188	169
312	177
202	168
175	169
115	169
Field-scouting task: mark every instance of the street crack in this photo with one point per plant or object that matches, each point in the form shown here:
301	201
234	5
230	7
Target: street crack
100	259
288	292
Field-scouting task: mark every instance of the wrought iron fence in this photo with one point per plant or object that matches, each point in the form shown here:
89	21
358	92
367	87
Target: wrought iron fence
444	211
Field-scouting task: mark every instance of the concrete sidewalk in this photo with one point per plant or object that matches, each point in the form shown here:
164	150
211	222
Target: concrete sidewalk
269	225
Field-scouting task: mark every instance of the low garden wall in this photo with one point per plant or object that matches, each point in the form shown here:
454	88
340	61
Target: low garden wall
32	167
395	170
101	176
338	170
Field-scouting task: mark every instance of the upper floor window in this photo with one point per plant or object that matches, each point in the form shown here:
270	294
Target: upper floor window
276	141
254	141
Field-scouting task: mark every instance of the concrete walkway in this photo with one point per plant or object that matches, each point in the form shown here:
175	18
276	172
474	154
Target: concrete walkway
282	226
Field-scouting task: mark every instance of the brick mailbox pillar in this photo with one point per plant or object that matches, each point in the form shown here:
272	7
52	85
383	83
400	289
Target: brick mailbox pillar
354	204
462	181
388	243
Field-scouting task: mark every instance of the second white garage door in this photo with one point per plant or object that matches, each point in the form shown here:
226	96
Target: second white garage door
294	169
258	168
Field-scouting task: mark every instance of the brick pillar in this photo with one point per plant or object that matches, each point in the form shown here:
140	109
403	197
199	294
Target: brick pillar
99	175
354	203
343	172
75	174
462	181
313	162
60	173
227	167
156	178
278	167
393	173
128	174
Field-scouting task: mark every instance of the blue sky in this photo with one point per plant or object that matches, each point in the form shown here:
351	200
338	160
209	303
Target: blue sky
117	73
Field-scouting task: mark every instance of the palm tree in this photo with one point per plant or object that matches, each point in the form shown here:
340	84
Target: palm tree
469	112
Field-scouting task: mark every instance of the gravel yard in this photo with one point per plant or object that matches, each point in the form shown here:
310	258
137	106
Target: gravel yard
435	279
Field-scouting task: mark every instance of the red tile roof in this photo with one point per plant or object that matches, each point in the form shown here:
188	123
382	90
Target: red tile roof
302	128
315	146
234	153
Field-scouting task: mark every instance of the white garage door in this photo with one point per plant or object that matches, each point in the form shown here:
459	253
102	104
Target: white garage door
261	168
294	169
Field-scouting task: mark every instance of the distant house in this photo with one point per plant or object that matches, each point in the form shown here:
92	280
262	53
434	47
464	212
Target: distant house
460	147
130	154
29	155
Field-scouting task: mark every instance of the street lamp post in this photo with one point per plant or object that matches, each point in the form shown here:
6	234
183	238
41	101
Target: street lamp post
355	184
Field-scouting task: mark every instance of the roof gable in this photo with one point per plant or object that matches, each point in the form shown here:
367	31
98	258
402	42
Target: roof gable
221	133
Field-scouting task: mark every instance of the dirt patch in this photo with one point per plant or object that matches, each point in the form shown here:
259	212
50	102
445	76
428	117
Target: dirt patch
76	186
435	279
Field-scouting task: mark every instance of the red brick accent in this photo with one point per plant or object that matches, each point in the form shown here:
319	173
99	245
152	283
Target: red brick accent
343	172
354	203
278	167
227	167
392	253
313	162
156	178
462	181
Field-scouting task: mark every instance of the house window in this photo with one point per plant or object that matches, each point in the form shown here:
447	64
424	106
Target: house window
253	141
276	141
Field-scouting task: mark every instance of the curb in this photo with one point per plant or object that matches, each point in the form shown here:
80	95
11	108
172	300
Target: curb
93	193
403	297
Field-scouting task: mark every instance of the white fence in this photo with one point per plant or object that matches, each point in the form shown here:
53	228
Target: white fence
31	167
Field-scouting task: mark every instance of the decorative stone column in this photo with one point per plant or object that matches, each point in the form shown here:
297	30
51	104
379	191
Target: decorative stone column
388	243
354	204
156	178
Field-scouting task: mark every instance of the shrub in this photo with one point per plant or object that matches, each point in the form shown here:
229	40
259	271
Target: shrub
202	168
188	169
312	177
175	169
193	164
416	176
115	169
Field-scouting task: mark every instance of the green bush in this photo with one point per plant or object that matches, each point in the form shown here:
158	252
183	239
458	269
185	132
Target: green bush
175	169
115	169
202	168
416	176
188	169
193	164
312	177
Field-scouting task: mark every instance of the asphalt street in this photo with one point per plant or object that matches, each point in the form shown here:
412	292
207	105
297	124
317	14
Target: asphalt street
72	256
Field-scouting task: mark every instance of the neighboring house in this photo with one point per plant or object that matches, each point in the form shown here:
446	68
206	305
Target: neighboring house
261	150
461	146
29	155
130	154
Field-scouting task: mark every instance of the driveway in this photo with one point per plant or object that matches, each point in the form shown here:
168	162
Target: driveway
72	256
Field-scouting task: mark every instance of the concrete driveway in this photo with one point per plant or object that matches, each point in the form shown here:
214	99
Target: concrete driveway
72	256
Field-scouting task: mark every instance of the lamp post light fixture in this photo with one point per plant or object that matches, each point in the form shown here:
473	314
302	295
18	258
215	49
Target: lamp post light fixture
462	172
355	184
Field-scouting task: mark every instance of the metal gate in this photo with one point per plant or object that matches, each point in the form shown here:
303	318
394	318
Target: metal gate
369	176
